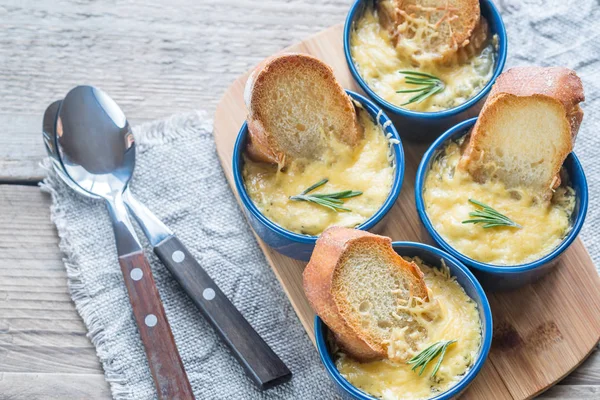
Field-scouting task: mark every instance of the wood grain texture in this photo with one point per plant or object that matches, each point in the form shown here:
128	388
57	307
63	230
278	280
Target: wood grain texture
155	59
44	350
53	386
541	331
162	354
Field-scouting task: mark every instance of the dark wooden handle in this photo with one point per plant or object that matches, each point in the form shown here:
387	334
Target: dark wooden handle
163	358
262	365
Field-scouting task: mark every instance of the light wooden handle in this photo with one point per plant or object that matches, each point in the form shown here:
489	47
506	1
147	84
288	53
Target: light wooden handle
163	358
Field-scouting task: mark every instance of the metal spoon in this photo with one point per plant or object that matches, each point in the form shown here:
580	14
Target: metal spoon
153	228
260	362
96	149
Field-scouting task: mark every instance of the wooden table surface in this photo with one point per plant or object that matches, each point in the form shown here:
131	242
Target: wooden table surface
155	58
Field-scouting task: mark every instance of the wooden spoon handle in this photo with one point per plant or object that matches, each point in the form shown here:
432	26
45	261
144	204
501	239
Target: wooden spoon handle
163	358
261	363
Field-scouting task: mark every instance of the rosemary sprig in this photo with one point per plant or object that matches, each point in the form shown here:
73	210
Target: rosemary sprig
427	86
489	217
426	356
330	200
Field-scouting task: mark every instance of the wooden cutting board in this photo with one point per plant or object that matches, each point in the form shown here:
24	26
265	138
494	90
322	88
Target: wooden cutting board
541	332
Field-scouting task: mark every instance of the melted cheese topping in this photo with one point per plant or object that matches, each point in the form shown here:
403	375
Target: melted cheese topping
378	62
365	167
456	317
446	194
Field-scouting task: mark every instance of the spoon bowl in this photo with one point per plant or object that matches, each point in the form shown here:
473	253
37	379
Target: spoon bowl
154	229
94	142
49	133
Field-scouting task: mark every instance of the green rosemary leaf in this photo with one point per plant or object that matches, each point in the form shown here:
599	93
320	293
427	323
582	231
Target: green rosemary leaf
333	201
429	354
428	85
406	72
346	194
441	358
321	197
316	185
420	81
489	217
409	90
334	206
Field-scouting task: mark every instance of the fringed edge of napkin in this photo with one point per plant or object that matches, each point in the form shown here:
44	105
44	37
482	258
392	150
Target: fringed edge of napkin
179	126
81	298
146	135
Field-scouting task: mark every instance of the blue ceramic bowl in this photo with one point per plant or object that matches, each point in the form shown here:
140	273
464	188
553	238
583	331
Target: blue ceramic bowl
497	277
432	256
296	245
426	126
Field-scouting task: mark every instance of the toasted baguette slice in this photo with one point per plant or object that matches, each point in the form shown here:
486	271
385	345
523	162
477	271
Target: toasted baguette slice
428	29
478	40
355	282
295	106
526	128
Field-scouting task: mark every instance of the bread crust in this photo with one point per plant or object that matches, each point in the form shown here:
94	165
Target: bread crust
479	38
556	85
318	281
461	16
262	146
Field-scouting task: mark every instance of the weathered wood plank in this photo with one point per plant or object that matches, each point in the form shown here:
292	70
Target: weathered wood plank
64	326
53	386
46	336
579	392
152	62
48	359
588	373
21	146
42	337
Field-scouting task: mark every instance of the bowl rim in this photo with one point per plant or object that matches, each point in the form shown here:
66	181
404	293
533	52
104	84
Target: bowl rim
487	267
486	325
394	109
388	128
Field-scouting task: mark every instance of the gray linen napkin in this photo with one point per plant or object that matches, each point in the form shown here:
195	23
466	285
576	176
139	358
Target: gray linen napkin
178	176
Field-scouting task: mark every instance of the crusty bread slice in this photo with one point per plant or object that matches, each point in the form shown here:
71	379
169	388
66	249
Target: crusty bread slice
430	29
479	39
526	128
355	282
295	107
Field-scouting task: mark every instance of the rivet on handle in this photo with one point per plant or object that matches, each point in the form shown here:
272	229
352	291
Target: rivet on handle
136	274
208	294
178	256
150	320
